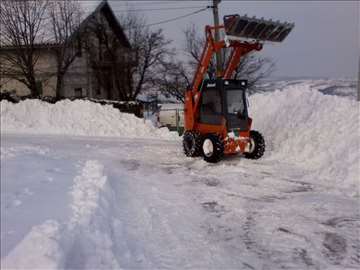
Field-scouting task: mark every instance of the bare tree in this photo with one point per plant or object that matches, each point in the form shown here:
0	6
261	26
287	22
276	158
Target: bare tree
173	80
133	71
65	18
254	68
150	49
21	29
194	46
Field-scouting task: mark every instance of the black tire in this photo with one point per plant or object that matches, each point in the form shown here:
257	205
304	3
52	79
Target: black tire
216	151
258	145
192	142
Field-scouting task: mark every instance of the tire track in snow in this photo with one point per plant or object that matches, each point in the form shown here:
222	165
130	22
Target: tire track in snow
84	242
86	191
159	226
90	241
289	248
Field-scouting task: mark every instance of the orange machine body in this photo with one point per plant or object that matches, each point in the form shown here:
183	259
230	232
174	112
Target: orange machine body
232	144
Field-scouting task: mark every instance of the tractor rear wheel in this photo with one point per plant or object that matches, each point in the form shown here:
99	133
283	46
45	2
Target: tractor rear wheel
212	148
257	145
192	142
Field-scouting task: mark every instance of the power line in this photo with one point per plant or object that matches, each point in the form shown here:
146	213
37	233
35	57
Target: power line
151	3
179	17
146	4
156	9
172	19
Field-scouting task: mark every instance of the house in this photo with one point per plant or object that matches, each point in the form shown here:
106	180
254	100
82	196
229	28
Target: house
91	73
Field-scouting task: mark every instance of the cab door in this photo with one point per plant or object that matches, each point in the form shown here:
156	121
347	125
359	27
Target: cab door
211	105
235	105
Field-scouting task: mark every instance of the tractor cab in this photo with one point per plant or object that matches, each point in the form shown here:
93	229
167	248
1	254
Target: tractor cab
224	100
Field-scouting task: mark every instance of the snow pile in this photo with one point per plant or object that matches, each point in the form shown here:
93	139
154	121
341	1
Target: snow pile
317	132
75	118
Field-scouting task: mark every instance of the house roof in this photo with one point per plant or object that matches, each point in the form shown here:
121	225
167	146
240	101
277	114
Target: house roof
108	13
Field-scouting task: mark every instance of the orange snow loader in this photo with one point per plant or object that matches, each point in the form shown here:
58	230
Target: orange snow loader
216	114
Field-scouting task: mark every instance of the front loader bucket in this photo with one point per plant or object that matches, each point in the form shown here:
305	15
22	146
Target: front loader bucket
259	29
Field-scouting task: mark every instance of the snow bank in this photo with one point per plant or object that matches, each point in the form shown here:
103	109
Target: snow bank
318	132
75	118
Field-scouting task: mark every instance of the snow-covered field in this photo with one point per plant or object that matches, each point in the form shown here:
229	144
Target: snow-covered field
338	87
132	200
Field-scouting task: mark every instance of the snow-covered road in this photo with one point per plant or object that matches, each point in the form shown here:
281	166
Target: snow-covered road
80	203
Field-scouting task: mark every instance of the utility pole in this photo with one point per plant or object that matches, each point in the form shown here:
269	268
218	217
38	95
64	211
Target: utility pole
358	83
359	79
217	37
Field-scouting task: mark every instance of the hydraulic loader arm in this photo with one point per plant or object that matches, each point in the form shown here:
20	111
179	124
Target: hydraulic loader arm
240	48
210	48
238	28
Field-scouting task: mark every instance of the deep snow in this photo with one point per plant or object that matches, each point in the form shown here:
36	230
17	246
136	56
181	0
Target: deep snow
317	132
140	204
102	202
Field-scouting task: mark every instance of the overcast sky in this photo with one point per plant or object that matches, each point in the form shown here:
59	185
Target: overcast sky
324	43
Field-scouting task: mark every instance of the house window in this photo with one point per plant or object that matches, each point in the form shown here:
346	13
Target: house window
39	88
79	48
78	92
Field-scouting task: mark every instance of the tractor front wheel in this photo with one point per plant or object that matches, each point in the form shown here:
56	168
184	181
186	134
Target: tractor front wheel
257	145
192	142
212	148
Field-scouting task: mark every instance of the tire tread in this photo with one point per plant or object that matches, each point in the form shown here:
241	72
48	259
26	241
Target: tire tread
259	145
